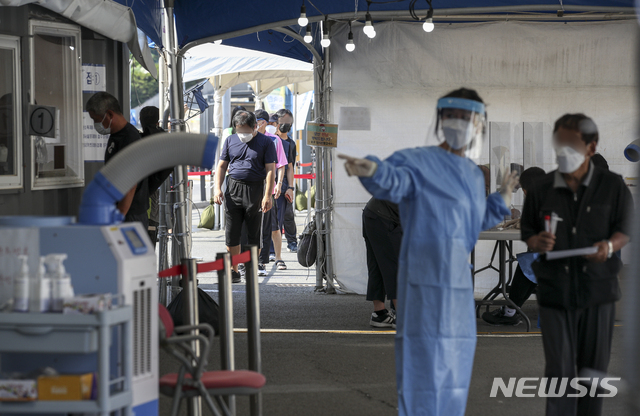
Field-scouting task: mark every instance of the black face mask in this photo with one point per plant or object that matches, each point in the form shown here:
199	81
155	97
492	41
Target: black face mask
284	128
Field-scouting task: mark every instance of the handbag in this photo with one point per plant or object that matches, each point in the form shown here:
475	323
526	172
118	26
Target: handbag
207	219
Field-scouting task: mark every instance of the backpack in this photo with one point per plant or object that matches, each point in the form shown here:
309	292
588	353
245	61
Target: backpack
308	247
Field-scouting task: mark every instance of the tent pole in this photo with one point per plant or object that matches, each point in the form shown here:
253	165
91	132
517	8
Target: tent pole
317	115
326	178
258	95
163	260
180	232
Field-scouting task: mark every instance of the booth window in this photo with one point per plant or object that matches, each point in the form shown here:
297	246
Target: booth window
57	159
10	117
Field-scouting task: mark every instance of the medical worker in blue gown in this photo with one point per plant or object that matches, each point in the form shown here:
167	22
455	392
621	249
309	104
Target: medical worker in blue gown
441	195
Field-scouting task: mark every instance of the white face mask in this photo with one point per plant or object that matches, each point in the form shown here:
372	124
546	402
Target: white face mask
457	132
569	160
102	129
271	129
245	137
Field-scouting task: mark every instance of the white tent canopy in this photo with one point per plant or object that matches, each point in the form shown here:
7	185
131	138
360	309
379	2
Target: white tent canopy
226	66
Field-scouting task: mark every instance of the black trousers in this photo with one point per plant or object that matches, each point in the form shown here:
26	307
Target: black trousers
243	201
521	287
576	340
290	230
266	235
382	239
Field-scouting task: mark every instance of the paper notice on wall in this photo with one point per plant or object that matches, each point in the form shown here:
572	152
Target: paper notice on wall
16	242
94	144
94	78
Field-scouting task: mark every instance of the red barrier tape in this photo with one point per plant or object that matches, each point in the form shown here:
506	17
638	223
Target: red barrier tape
241	258
304	165
305	176
199	173
172	271
210	267
207	267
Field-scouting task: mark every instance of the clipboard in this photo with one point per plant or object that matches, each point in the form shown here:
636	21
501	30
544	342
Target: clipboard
563	254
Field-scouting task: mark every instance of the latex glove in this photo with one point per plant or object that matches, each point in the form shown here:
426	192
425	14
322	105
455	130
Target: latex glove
359	167
508	184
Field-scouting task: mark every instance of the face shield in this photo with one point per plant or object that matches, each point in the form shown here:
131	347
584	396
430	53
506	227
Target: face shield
461	124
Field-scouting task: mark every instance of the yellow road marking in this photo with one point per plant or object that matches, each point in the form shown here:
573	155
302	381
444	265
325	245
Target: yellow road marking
378	332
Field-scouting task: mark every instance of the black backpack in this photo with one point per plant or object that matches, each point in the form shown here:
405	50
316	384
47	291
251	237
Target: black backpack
207	310
308	247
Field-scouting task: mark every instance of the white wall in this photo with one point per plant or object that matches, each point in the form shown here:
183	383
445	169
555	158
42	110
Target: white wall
525	72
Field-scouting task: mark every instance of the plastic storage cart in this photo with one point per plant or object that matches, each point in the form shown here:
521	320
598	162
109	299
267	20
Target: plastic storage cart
50	333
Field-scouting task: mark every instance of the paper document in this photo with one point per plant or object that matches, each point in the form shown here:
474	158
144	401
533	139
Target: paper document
563	254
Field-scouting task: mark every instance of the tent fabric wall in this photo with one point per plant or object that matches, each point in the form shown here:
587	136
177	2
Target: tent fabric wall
525	72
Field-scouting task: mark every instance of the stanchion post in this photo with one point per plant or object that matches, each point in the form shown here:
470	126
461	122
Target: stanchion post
203	188
253	325
227	358
190	317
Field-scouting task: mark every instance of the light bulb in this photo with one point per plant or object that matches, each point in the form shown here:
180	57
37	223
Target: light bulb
368	27
217	42
302	20
307	37
428	25
325	42
350	45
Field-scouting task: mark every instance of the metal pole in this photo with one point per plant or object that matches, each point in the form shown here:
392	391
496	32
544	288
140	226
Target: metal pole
163	260
327	220
227	358
318	116
179	247
326	175
253	326
190	317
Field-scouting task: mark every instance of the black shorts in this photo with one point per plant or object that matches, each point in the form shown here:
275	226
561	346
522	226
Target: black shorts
243	201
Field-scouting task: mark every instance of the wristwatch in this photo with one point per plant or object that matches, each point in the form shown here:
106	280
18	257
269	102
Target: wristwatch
291	187
610	253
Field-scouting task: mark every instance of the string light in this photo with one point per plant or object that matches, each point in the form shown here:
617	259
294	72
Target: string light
325	42
350	45
307	37
302	20
428	25
368	29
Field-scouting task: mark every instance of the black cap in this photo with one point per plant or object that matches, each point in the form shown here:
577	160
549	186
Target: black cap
261	114
274	118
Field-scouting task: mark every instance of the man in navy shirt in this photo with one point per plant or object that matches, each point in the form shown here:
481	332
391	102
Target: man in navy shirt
250	158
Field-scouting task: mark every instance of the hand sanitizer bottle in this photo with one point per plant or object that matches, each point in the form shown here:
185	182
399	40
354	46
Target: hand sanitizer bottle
21	287
61	288
40	290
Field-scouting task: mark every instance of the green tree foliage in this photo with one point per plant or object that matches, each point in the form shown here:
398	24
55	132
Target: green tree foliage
143	86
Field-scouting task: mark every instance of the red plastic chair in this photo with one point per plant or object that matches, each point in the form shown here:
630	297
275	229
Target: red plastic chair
191	380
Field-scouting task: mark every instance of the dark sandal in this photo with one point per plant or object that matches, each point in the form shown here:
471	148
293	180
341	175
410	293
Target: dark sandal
281	265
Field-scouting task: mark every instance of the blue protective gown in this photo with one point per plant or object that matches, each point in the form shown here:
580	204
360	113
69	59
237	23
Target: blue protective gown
443	208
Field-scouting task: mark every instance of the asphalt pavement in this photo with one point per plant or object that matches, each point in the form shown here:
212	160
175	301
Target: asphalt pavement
321	357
